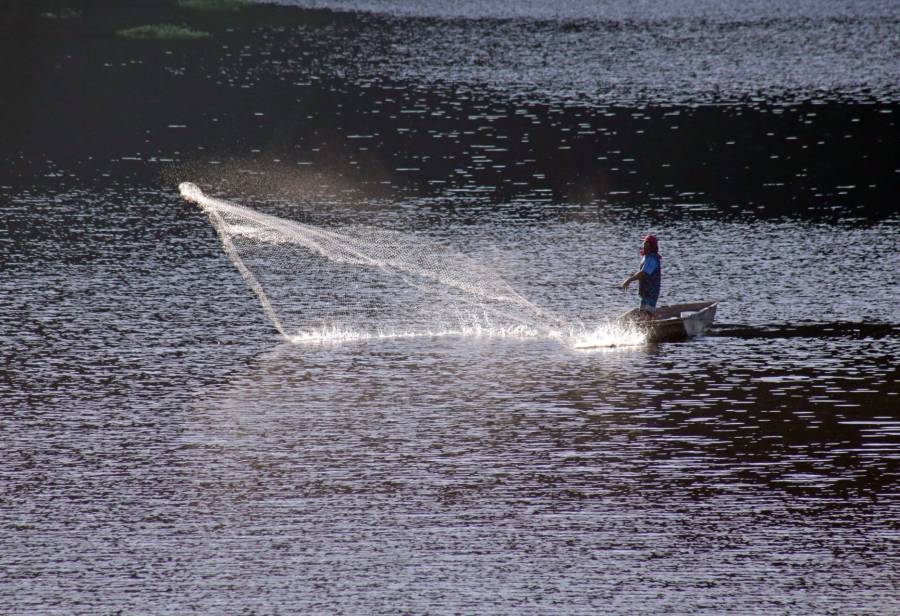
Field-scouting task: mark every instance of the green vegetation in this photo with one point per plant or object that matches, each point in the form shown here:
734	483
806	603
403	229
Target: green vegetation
162	31
213	5
65	13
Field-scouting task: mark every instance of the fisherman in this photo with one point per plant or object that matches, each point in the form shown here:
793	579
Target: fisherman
649	275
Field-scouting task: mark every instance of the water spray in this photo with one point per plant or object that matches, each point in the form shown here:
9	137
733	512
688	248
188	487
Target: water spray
360	283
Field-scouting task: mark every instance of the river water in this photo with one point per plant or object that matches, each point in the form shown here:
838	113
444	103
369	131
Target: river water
167	452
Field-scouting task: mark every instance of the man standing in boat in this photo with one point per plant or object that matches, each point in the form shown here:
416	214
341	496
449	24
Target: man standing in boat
649	275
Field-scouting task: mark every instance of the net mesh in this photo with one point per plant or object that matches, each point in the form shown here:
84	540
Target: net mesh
317	283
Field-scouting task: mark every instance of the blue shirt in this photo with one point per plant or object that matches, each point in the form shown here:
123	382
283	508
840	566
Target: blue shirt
651	283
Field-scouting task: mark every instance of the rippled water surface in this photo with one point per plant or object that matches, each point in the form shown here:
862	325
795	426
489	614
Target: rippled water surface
637	52
167	452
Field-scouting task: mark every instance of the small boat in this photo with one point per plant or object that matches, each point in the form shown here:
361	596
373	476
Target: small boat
673	323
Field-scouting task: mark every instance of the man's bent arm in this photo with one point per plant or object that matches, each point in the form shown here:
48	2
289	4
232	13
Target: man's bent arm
639	275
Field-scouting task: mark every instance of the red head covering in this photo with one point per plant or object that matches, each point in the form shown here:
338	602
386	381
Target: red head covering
652	245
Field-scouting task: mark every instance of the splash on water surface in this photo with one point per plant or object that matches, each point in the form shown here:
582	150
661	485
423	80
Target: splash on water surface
608	335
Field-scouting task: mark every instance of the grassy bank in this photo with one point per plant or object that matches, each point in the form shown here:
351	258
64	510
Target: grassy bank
162	31
154	19
213	5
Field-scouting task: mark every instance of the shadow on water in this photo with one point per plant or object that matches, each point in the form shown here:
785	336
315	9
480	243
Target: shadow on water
855	330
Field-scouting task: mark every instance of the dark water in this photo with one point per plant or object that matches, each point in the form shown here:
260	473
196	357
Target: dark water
166	452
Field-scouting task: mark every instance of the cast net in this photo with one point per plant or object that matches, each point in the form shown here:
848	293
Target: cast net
353	282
